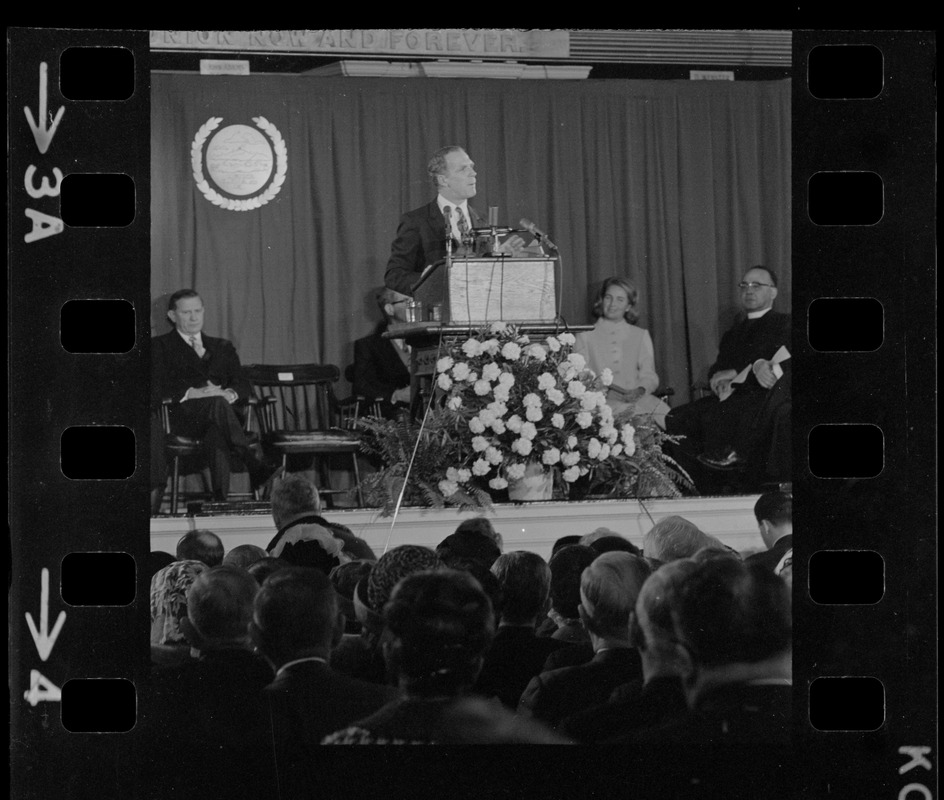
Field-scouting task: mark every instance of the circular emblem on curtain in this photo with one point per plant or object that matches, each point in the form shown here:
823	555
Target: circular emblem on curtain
239	167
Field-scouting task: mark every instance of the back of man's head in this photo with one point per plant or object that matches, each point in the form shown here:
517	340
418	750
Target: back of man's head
244	555
675	537
567	565
613	544
608	591
525	580
180	294
295	611
293	496
483	526
219	607
775	508
200	545
458	549
728	612
653	629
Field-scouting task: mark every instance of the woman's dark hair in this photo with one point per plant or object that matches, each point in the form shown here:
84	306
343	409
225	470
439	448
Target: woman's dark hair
632	294
440	623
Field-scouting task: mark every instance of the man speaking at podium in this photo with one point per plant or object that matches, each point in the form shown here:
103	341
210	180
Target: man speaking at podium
422	235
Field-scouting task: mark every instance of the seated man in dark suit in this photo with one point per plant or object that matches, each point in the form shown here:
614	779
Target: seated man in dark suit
608	591
382	366
517	654
774	514
423	232
719	429
202	377
658	695
296	623
203	726
733	632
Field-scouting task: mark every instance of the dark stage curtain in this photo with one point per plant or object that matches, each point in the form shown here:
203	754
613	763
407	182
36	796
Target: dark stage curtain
679	185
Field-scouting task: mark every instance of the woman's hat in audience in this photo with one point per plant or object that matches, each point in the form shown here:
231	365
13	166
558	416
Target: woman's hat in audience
392	567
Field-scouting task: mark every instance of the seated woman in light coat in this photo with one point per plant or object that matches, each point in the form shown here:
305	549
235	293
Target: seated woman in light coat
618	344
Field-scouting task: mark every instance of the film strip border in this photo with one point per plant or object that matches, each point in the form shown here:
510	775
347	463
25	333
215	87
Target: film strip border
864	421
864	411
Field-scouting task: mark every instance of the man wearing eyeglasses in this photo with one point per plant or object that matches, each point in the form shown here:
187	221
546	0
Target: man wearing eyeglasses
381	365
720	429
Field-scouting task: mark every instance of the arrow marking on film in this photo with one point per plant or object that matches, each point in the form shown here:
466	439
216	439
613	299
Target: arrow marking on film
44	640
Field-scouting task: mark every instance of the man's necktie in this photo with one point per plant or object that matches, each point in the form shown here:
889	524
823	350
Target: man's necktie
447	218
463	224
193	342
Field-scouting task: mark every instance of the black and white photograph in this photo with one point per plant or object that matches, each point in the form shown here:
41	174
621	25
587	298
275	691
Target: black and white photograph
436	387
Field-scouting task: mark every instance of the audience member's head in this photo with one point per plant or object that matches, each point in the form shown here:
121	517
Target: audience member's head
609	587
714	551
613	544
440	623
564	541
219	608
461	548
244	555
345	578
567	565
675	537
294	496
622	290
264	567
774	514
733	620
481	525
392	567
525	581
156	560
295	615
200	545
651	629
169	600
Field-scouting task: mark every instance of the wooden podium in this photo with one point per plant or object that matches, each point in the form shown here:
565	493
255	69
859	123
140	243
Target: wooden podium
482	290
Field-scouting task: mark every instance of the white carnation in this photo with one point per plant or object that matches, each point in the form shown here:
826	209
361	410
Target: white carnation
546	381
444	364
556	396
515	472
444	382
493	456
511	351
491	371
476	425
567	338
584	419
553	343
522	446
481	467
528	430
472	348
454	403
593	447
534	414
577	360
461	370
464	475
482	387
571	474
557	420
506	379
551	456
570	458
514	423
479	443
448	488
498	483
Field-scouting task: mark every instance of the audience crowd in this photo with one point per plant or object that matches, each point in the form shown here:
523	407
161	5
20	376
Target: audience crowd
259	657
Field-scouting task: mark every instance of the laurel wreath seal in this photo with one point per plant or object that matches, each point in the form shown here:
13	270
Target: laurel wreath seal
230	204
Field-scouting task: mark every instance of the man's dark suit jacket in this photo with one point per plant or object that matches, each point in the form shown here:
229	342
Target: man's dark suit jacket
308	701
175	367
552	696
378	369
420	241
749	340
203	729
632	706
514	658
769	559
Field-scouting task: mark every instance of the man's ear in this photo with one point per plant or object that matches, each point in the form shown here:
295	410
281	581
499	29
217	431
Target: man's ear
171	316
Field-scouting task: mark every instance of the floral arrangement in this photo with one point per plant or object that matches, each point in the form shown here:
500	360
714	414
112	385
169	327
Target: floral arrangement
510	404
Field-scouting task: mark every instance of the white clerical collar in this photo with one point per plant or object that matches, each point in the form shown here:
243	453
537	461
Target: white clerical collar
443	202
188	336
757	314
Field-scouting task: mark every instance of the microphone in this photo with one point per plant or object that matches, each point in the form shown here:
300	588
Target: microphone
538	234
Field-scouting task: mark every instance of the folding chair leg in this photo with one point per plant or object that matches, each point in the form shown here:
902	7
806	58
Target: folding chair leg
175	486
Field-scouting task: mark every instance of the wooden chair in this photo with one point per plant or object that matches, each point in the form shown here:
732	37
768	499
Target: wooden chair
178	447
299	415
